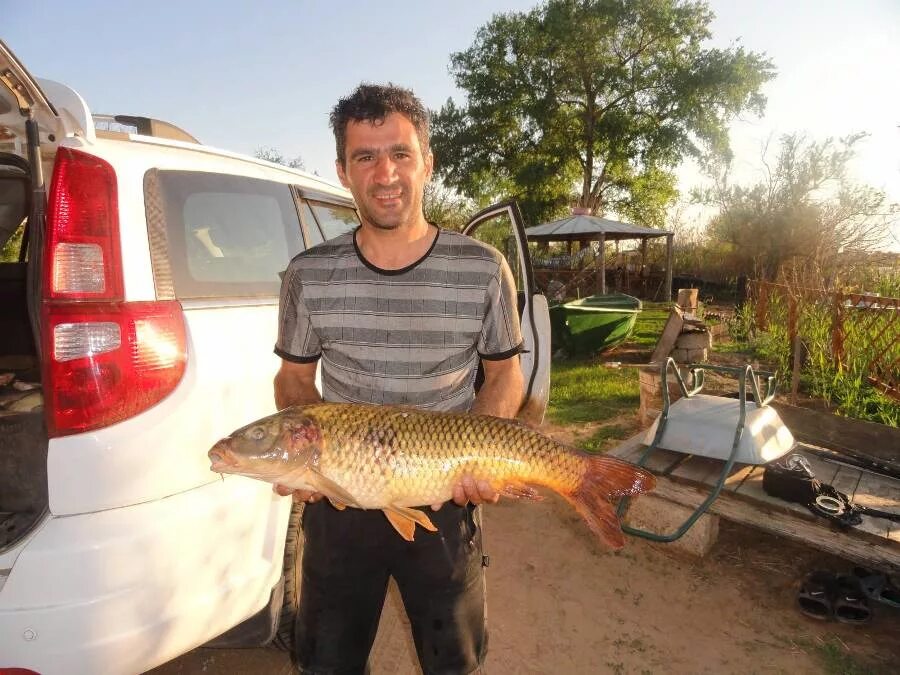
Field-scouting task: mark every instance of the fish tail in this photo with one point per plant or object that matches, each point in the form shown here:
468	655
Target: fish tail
606	479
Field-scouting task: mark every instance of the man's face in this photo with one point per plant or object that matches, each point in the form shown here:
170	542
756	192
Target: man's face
385	170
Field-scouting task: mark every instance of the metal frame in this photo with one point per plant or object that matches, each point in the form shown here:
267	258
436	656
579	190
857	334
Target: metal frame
697	372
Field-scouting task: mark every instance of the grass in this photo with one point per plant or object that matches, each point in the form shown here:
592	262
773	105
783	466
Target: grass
650	324
836	660
585	390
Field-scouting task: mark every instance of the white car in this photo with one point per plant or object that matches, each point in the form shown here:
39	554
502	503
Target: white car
136	329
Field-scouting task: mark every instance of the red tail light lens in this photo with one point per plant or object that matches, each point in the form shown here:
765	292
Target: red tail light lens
82	254
107	362
104	359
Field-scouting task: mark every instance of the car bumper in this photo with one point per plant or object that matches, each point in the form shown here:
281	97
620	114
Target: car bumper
125	590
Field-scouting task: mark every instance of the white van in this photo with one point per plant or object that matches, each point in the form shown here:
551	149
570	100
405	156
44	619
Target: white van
137	323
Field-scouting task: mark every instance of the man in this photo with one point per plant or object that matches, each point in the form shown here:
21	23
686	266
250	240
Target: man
400	312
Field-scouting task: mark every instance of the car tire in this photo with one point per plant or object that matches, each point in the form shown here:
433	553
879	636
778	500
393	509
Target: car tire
293	554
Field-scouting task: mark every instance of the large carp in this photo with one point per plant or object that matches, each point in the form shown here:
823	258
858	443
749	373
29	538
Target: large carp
393	459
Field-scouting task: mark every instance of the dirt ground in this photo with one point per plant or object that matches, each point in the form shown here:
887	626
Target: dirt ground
560	603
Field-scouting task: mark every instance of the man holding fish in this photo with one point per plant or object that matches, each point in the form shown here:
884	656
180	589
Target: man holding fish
399	312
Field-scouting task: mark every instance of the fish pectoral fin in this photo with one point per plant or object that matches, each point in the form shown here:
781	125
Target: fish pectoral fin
404	520
337	503
520	491
332	490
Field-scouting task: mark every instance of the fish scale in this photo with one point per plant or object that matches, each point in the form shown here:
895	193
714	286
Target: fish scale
433	454
391	458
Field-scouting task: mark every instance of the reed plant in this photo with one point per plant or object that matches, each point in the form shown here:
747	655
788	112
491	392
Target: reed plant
842	380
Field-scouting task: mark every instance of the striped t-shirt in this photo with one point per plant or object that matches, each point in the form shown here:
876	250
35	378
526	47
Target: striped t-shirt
411	336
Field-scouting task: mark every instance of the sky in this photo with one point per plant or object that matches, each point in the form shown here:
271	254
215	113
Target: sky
242	75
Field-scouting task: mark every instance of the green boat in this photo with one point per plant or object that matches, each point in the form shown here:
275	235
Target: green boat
594	323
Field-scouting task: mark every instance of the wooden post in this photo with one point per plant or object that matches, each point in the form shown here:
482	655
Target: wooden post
644	271
797	347
837	332
602	271
669	262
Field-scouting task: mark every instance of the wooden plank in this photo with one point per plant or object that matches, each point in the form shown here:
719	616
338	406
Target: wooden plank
629	450
842	433
670	333
801	526
846	480
736	481
822	469
882	493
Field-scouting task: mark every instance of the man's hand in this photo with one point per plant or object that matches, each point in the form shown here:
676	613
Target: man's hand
297	495
470	490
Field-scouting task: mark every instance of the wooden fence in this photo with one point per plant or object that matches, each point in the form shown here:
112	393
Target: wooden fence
854	332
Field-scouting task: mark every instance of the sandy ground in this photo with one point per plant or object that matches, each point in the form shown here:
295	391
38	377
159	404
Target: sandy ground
560	603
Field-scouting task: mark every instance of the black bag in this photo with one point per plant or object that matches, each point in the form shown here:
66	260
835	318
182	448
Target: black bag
792	480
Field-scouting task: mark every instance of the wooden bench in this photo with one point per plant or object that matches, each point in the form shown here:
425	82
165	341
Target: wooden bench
685	480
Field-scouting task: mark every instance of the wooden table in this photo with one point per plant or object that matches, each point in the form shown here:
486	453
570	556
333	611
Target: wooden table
687	480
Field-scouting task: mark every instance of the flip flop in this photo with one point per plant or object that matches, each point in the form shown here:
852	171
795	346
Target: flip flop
850	602
815	595
878	587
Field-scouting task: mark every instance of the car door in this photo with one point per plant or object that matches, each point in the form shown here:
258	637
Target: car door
502	227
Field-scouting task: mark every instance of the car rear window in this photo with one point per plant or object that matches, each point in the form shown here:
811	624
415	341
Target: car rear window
224	236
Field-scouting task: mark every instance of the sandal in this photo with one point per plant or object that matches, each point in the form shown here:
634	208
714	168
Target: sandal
878	587
815	595
850	602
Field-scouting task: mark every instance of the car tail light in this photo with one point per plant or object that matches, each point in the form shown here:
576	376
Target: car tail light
105	359
83	255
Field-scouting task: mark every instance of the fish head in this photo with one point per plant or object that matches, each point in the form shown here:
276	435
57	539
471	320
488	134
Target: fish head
270	448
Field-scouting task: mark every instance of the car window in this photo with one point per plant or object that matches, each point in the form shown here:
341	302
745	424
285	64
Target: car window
227	236
334	220
313	233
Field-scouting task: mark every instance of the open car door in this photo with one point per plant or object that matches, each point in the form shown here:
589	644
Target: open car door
502	227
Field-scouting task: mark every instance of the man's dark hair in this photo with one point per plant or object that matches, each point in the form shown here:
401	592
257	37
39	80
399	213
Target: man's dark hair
374	102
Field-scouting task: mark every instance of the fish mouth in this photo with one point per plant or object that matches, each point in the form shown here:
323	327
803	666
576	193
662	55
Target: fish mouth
222	459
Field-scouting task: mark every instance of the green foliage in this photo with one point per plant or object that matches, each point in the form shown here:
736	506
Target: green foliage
274	155
846	388
10	250
599	440
602	98
804	219
741	323
445	207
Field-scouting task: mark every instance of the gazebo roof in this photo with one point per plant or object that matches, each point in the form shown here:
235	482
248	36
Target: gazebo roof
584	227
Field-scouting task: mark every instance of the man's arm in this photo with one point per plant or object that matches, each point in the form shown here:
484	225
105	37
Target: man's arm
503	388
295	384
501	396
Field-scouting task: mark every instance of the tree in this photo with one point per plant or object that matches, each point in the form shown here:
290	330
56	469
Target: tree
273	155
595	98
806	219
445	207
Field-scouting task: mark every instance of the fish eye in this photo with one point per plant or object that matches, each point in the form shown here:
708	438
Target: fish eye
257	433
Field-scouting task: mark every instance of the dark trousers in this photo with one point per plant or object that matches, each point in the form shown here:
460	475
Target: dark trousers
348	558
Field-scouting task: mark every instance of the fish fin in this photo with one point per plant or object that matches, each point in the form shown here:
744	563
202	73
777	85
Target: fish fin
520	491
404	520
405	526
331	490
606	479
337	503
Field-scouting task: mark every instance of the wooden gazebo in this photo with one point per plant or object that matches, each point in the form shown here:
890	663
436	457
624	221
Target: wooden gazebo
584	228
